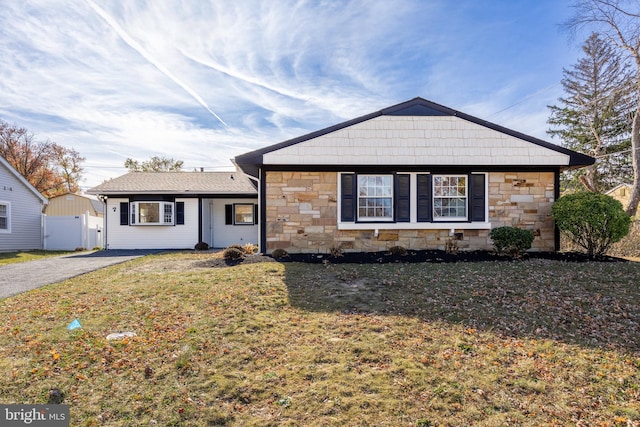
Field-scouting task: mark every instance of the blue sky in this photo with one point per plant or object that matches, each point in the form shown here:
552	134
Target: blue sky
203	81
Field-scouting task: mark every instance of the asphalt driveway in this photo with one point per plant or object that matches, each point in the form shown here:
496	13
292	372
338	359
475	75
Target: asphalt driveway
25	276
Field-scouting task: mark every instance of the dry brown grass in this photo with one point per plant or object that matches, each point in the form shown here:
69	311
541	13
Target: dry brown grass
518	343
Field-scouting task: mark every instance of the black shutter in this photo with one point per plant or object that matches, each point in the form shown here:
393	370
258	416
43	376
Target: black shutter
180	213
124	213
403	197
478	197
228	214
425	213
348	195
255	214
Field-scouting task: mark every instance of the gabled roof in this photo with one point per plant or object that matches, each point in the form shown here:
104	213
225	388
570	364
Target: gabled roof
416	108
23	180
625	185
177	183
96	204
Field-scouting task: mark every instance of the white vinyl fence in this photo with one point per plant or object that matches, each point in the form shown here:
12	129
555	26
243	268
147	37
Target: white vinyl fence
68	233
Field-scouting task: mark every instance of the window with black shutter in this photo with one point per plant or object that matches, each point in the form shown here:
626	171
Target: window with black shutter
348	196
124	213
403	197
478	197
423	184
179	213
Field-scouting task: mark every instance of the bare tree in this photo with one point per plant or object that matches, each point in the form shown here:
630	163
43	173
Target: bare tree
618	21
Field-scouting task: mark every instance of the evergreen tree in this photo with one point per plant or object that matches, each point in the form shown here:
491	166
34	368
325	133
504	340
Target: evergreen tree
618	21
155	164
595	116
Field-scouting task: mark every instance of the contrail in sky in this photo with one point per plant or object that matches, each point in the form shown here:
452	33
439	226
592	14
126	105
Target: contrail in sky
136	46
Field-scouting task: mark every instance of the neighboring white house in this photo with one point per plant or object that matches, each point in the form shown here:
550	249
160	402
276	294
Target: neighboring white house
177	210
21	206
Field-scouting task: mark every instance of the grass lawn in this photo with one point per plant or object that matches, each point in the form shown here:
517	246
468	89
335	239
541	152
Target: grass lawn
13	257
533	342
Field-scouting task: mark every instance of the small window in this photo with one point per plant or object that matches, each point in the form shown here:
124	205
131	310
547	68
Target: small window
375	197
449	197
5	217
152	213
243	214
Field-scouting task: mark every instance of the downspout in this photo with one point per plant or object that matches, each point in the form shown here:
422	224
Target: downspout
105	221
43	226
556	196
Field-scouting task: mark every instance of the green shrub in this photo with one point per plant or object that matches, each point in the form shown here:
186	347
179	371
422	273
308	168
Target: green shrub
511	241
279	253
593	221
232	253
202	246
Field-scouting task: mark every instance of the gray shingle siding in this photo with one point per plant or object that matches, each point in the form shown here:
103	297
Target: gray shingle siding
26	214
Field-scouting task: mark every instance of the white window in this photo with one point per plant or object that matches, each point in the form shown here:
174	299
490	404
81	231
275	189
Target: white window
243	214
152	213
449	197
375	197
5	217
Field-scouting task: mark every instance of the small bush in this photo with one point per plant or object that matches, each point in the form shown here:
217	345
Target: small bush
202	246
232	253
335	251
397	250
236	246
593	221
451	246
250	249
511	241
279	253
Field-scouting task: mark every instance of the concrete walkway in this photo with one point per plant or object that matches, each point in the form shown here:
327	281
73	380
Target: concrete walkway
25	276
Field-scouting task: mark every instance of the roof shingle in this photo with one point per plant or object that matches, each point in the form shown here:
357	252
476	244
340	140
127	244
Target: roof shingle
177	183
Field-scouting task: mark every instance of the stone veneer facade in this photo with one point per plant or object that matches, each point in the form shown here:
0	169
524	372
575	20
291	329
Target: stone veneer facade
302	215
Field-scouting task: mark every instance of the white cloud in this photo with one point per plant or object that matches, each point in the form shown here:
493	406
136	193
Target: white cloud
204	81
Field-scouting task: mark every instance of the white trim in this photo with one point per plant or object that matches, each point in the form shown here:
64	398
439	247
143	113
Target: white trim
8	207
135	213
445	218
391	196
415	226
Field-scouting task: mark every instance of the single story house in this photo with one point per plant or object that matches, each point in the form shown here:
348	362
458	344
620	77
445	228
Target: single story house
177	210
21	205
74	204
416	174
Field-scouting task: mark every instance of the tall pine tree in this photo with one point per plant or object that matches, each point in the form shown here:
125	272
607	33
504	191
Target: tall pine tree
595	116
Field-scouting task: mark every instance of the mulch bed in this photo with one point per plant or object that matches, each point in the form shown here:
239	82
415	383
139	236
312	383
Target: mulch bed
438	256
431	256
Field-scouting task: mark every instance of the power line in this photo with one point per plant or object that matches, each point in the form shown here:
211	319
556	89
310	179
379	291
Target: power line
524	99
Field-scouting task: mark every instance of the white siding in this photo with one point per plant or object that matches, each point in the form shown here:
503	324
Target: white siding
220	235
152	236
26	214
417	140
